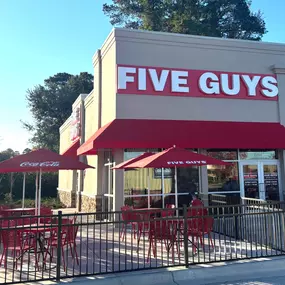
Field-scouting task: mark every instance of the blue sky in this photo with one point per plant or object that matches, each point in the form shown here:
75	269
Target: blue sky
40	38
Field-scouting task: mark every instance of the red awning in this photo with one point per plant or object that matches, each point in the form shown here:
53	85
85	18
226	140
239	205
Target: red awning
127	133
72	149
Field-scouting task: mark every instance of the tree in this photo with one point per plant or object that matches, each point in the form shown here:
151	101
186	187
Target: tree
8	180
217	18
26	150
51	105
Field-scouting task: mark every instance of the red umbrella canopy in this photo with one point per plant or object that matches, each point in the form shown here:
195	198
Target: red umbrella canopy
175	156
41	159
133	160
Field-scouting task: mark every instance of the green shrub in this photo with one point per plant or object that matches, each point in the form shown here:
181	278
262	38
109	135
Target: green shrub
53	203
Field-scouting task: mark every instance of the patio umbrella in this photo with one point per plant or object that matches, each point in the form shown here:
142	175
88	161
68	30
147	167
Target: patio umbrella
39	161
175	157
133	160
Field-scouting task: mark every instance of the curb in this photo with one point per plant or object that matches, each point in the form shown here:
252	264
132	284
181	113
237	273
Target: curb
231	272
199	274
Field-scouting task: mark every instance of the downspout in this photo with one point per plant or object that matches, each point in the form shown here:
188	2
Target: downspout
99	90
99	125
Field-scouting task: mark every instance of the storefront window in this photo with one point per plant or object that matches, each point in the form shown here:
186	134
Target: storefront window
223	154
223	178
137	182
187	182
253	155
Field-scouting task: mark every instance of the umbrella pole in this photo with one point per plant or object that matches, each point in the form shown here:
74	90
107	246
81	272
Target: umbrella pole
163	189
176	192
148	190
36	198
24	190
40	193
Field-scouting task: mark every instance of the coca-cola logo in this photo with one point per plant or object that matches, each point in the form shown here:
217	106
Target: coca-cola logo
40	164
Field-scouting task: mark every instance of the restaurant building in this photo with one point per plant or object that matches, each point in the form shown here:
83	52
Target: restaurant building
220	97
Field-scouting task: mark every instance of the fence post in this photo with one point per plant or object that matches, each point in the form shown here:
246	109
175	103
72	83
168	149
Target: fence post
236	224
185	238
58	261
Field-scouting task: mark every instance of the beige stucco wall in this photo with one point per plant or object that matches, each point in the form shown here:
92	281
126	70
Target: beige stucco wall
141	48
108	82
90	178
65	179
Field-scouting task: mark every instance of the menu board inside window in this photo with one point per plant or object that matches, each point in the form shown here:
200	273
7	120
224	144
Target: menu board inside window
250	175
157	173
270	175
250	180
271	179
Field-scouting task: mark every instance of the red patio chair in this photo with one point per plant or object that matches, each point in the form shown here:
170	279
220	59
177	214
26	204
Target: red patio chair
194	231
4	213
143	224
14	240
68	239
207	225
129	217
45	211
199	226
166	232
143	220
167	213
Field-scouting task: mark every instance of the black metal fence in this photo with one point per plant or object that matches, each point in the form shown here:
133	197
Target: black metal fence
69	245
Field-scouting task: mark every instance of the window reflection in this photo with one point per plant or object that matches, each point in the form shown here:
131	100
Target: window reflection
223	178
223	154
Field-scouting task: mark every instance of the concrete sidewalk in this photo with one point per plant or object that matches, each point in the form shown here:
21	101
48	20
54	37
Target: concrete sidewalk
198	275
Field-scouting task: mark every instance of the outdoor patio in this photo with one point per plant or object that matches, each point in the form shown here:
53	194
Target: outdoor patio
101	251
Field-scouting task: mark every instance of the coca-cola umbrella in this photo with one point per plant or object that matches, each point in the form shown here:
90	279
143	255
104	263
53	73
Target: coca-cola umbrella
133	160
41	160
175	157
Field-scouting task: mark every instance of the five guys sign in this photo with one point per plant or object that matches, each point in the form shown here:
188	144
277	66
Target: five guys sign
195	83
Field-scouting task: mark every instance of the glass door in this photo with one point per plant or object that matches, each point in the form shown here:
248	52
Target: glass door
271	181
250	177
260	180
108	186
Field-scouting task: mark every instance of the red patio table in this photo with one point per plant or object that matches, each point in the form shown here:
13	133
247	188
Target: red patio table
148	210
146	215
18	211
196	227
29	231
39	231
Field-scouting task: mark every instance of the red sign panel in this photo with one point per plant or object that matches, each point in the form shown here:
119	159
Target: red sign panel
141	80
75	130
